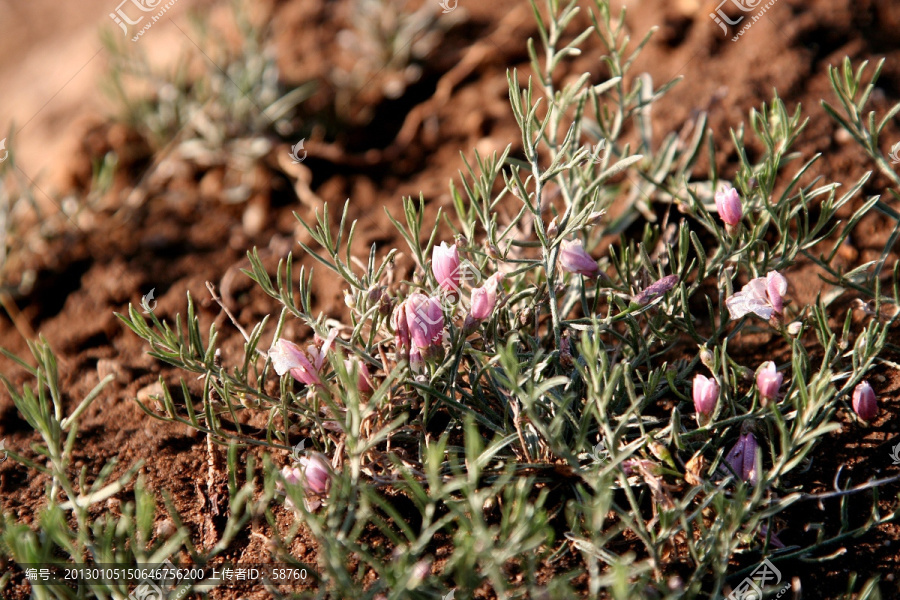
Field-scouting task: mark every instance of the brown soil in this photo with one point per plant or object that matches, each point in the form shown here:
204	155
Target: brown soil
183	235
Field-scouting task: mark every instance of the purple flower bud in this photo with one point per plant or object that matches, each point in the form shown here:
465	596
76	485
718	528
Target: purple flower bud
706	394
768	380
865	404
728	204
742	458
484	298
445	266
574	259
656	289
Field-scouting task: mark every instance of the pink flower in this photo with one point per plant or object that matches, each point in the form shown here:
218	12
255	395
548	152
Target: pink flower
706	394
768	380
742	458
728	204
484	298
303	365
445	266
314	474
418	324
776	288
865	404
364	382
574	259
425	320
763	296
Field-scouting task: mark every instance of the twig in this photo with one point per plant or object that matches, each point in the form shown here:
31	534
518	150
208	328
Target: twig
215	297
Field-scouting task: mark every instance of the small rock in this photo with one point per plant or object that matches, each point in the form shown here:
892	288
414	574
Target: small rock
165	529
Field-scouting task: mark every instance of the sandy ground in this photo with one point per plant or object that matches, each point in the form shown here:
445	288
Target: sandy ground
51	65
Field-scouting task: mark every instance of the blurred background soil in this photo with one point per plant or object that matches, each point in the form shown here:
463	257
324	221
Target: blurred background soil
394	140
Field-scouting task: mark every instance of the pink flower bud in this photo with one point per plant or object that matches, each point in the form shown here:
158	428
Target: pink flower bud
445	266
401	328
425	320
364	381
768	380
728	204
316	474
706	394
865	404
742	458
574	259
552	229
484	298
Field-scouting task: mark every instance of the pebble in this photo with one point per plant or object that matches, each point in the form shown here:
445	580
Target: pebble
145	393
842	136
165	529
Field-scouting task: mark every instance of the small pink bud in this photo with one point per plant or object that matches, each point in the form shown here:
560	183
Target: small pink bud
484	298
574	259
595	217
401	328
316	474
552	229
728	204
865	404
364	381
445	266
742	458
768	380
706	394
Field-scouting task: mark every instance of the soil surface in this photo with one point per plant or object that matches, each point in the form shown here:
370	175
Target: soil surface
183	233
